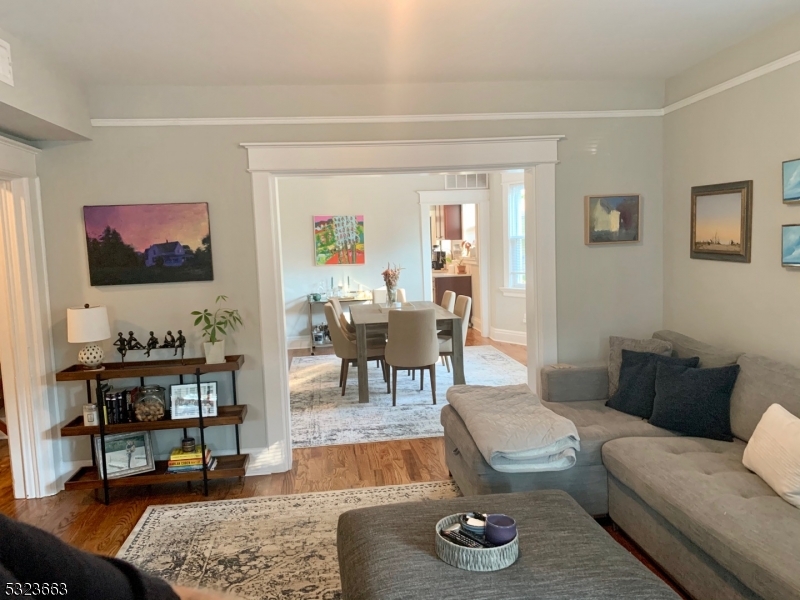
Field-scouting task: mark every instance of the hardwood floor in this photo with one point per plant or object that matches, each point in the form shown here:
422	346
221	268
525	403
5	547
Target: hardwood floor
80	519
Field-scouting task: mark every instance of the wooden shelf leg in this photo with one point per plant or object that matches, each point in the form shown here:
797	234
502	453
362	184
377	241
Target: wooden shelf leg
102	422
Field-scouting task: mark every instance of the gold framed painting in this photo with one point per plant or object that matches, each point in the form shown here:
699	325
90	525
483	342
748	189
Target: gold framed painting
722	221
612	219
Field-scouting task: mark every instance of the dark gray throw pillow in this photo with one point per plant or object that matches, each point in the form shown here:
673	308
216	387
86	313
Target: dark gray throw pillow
695	402
637	381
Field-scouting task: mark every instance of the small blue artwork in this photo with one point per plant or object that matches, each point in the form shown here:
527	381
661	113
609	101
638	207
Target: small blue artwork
791	246
791	180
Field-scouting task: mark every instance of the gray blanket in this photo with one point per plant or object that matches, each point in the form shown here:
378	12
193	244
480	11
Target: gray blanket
513	431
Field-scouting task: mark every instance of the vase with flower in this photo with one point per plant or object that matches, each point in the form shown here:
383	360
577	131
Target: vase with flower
390	277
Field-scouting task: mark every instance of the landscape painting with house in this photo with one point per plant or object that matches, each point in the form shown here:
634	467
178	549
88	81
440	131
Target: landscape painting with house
148	243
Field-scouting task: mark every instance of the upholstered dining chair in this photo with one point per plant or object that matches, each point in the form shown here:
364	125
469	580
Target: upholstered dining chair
345	348
449	300
413	344
462	309
379	295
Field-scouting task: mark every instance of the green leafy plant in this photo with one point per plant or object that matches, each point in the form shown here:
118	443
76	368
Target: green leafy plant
217	324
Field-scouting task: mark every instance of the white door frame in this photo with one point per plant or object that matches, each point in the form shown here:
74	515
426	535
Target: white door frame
26	345
441	197
268	160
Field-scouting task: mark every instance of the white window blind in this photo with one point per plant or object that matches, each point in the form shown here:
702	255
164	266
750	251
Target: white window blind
516	235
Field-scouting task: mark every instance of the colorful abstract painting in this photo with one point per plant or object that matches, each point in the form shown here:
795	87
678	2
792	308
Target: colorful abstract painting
339	240
148	243
611	219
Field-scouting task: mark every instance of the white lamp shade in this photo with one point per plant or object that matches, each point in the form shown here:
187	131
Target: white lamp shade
89	324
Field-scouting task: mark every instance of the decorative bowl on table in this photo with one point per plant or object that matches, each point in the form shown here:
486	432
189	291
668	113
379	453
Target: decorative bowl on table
474	559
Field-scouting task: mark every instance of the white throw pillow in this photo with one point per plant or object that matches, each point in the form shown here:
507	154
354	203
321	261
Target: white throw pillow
773	453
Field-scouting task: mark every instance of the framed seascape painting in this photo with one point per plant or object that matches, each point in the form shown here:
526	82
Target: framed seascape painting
722	219
791	180
790	244
339	240
148	243
612	219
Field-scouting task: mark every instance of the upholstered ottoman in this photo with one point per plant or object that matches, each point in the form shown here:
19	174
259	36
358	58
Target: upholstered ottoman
387	552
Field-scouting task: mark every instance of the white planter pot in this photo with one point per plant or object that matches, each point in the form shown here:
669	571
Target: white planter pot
215	353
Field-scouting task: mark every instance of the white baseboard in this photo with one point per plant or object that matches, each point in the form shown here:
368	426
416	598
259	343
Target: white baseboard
298	341
511	337
265	461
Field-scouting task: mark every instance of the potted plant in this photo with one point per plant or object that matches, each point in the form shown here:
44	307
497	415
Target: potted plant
215	327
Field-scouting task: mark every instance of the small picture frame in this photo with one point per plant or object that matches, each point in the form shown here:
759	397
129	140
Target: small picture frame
791	181
614	219
183	400
790	246
126	454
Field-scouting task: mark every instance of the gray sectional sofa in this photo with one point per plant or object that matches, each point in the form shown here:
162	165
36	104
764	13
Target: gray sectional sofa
713	525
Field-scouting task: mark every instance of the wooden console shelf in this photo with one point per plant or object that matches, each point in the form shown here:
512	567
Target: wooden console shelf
87	478
226	415
155	368
92	478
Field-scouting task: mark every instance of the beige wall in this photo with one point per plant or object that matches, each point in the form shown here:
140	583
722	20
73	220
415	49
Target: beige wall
206	164
44	102
743	133
769	45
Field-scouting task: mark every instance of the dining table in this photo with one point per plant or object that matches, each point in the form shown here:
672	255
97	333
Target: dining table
373	318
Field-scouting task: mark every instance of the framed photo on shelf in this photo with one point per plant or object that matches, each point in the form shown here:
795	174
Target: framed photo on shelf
126	454
722	221
183	400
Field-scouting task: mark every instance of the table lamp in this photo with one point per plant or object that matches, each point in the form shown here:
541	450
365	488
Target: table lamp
85	326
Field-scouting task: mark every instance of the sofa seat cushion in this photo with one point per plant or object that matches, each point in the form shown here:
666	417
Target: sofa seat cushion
701	487
598	423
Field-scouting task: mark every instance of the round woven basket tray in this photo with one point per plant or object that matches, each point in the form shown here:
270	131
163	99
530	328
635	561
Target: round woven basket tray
474	559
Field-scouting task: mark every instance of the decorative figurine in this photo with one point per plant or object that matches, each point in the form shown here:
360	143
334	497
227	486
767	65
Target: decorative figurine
133	343
152	344
180	343
122	345
169	340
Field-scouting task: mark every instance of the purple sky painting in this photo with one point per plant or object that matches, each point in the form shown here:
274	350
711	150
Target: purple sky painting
142	225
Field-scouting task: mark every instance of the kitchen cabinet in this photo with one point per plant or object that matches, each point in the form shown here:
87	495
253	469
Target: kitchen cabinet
447	222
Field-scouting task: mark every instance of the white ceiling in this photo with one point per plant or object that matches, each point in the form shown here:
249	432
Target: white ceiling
257	42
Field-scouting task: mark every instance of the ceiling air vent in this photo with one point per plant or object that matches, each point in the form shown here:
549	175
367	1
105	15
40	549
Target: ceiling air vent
466	181
6	74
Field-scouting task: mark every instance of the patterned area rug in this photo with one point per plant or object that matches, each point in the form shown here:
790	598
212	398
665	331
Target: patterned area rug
321	416
268	548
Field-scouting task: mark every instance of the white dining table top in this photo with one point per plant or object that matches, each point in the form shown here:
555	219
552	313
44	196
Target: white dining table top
371	314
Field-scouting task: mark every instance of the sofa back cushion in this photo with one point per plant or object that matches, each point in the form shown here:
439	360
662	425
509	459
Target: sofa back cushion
761	383
685	347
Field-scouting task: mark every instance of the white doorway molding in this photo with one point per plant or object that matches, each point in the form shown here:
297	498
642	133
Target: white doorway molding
26	346
537	155
481	199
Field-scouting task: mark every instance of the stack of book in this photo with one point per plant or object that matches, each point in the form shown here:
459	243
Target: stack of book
187	462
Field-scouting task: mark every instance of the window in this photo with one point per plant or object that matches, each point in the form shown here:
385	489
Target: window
514	221
516	235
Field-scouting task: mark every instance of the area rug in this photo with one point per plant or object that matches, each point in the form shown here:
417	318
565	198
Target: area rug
321	416
267	548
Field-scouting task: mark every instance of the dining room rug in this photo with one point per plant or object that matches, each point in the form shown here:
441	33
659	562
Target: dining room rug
270	547
321	416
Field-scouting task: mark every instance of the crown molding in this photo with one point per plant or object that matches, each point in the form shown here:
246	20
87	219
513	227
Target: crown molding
450	118
381	119
431	142
775	65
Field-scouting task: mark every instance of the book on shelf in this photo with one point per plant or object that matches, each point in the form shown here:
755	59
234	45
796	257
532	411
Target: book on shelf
184	462
212	464
179	454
